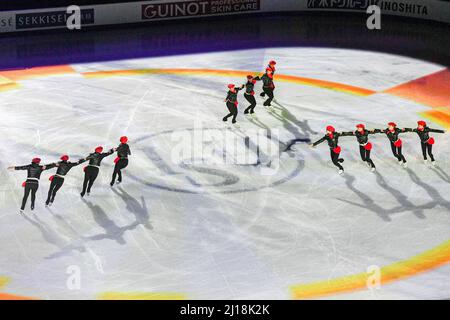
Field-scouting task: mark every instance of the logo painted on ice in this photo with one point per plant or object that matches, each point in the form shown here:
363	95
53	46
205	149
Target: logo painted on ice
182	162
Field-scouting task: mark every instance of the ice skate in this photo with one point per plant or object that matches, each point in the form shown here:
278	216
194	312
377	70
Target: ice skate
373	169
404	165
433	163
341	172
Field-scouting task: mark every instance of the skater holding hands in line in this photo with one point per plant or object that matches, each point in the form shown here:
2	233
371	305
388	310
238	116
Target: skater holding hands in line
232	102
121	162
392	132
57	180
332	138
365	147
426	142
249	93
92	169
31	185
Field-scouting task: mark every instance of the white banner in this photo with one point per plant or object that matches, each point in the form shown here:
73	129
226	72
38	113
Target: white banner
145	11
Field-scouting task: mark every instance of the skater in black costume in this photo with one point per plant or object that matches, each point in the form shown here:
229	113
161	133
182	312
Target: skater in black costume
57	180
392	133
121	162
249	93
332	137
365	147
232	102
426	142
92	169
268	87
31	185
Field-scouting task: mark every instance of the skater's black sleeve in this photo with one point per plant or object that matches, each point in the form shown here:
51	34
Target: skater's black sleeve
49	166
347	134
436	130
374	131
409	130
105	154
22	167
319	141
74	164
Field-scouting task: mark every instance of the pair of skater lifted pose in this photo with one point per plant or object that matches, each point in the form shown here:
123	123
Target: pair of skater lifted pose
34	171
249	94
365	147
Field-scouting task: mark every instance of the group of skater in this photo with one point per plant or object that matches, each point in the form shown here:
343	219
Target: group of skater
91	171
268	88
332	137
392	132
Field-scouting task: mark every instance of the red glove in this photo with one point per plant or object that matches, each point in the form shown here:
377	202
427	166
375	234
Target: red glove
337	150
398	143
24	184
51	178
430	141
368	146
116	160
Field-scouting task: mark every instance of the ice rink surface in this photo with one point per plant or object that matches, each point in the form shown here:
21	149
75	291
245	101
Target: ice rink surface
280	227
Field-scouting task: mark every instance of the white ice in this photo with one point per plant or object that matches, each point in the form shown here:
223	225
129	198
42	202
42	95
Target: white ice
220	231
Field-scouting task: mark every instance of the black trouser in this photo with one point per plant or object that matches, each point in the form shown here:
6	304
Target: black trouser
55	185
30	186
426	147
365	156
121	164
251	99
90	174
336	160
397	151
233	111
269	92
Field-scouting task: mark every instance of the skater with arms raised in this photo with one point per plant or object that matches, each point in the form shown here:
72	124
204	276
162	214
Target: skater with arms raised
57	180
332	138
365	147
31	185
392	132
426	142
92	169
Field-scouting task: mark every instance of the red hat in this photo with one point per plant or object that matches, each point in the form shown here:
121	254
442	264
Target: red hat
36	160
422	123
393	124
272	62
231	86
249	77
99	149
269	70
124	139
360	126
330	128
64	157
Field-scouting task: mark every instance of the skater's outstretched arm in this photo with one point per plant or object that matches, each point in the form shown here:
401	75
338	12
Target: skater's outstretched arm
49	166
374	131
110	152
347	134
436	130
319	141
19	167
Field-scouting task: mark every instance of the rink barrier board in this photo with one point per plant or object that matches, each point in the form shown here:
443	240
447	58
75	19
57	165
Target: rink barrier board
138	12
